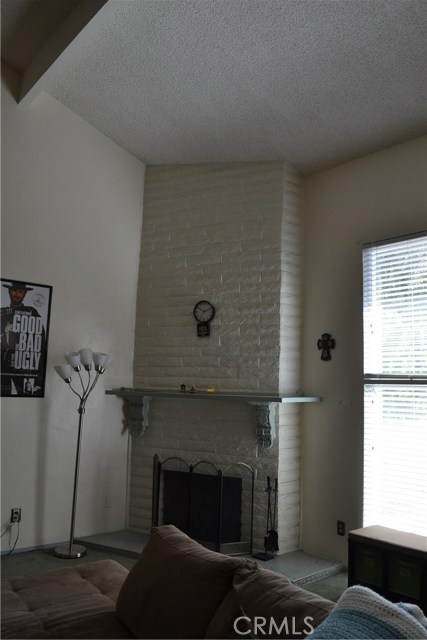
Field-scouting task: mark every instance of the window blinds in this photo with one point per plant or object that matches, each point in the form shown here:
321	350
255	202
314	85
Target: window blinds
395	371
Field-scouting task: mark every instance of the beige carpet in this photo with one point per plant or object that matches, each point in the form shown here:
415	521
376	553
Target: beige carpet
39	560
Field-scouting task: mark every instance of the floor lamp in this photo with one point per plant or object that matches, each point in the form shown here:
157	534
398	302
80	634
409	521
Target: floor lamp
75	361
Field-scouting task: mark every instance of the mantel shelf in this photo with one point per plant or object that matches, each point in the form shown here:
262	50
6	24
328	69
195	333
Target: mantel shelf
250	396
139	401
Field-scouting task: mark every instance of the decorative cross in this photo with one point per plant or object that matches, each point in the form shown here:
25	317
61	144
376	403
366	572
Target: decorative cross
326	343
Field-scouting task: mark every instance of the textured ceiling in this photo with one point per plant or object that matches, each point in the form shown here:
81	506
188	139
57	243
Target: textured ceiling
312	82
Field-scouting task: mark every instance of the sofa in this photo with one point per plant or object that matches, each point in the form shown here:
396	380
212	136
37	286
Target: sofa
176	589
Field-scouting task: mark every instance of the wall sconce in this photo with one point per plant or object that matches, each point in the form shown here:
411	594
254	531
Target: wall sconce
75	361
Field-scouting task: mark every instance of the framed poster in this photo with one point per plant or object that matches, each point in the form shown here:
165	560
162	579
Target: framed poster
25	313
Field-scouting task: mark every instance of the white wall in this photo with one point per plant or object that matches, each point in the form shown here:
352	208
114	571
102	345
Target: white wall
71	218
381	195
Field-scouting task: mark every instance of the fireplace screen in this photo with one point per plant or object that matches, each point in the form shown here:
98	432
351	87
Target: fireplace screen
210	504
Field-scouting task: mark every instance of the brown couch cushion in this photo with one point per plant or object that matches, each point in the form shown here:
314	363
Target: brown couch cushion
222	624
176	586
73	602
269	595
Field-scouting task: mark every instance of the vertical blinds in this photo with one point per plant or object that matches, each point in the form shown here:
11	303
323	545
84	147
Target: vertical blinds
395	369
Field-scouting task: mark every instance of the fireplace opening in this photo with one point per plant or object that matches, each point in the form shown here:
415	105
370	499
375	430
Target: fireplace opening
211	504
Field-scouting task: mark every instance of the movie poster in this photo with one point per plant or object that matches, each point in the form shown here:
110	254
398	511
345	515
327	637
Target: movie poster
25	312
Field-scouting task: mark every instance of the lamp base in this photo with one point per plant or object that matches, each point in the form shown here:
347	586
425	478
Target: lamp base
77	551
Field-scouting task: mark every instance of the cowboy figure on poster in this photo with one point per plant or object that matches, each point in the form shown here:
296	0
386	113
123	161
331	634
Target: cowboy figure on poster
25	311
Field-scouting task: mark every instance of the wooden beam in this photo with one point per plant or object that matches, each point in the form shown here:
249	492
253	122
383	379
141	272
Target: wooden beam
46	64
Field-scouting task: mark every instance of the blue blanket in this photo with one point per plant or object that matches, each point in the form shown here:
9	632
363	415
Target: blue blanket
361	613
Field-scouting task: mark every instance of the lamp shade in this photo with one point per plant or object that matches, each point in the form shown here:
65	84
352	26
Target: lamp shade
102	361
73	359
65	371
108	361
86	357
99	359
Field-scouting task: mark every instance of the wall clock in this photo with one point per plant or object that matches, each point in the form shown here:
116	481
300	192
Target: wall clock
204	312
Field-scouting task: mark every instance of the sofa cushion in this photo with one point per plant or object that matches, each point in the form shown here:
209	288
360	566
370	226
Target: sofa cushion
222	625
276	608
71	602
176	586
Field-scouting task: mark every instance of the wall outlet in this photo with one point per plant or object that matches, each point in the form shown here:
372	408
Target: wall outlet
340	528
15	515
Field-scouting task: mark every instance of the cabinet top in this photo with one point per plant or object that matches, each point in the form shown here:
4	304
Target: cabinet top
376	533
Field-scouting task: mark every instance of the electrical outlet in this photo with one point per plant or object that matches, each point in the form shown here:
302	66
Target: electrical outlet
340	528
15	515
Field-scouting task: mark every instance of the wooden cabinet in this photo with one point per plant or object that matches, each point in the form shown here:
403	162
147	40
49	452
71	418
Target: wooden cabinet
390	562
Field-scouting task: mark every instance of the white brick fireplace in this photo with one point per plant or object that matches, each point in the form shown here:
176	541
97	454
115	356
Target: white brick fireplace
229	234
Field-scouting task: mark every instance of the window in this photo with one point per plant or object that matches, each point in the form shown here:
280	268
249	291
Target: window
395	384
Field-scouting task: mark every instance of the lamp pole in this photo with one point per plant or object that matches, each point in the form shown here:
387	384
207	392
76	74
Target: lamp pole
75	361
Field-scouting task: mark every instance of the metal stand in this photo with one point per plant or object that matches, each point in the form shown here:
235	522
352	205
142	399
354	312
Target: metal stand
86	358
271	536
71	550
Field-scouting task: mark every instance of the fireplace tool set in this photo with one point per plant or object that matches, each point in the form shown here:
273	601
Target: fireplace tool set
271	539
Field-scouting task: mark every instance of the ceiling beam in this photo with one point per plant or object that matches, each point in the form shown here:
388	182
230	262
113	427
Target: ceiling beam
79	25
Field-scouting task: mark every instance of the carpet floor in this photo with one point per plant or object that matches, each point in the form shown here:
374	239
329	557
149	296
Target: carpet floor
331	587
38	560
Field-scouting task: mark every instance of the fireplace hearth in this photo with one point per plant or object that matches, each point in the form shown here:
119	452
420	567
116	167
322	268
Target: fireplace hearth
211	504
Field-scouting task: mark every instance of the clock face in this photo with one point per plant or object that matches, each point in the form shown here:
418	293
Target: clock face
204	311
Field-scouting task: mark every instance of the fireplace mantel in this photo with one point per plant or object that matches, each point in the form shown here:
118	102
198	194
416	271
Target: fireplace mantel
139	403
